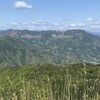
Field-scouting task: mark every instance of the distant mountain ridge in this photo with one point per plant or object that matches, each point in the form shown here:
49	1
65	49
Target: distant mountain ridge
24	47
19	33
96	33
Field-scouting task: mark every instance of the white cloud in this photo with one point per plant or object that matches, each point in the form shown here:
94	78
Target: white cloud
72	25
46	25
90	19
95	26
22	5
56	24
40	23
81	24
14	24
77	26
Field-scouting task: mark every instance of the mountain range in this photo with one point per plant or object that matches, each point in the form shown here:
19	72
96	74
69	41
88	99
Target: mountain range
24	47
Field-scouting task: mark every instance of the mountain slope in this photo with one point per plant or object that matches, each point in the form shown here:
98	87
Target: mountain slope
23	47
14	52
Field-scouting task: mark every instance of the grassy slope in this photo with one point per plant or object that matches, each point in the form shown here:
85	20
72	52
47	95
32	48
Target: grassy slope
48	82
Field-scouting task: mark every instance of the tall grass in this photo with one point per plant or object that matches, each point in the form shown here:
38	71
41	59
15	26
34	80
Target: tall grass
81	87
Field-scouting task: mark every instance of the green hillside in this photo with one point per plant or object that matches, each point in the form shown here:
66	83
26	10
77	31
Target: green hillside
14	52
23	47
49	82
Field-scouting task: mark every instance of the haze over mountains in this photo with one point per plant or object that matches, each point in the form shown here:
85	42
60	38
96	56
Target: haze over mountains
24	47
95	33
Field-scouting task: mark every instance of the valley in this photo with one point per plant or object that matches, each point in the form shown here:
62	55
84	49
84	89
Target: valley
24	47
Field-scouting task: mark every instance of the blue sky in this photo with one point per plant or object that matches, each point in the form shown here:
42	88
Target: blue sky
50	14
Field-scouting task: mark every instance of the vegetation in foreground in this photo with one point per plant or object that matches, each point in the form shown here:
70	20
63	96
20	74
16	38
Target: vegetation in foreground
49	82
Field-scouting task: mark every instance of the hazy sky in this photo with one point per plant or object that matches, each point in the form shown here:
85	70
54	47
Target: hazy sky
50	14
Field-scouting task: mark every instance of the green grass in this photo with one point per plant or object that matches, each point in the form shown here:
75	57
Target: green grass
49	82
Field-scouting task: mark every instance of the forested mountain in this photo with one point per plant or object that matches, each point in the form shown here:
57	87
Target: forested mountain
24	47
